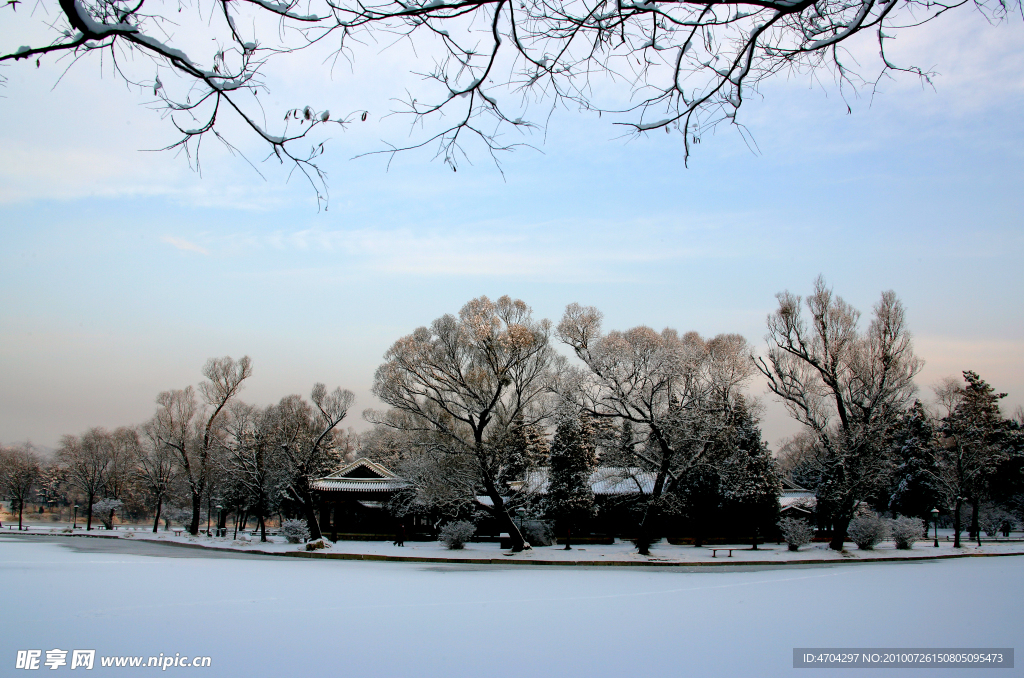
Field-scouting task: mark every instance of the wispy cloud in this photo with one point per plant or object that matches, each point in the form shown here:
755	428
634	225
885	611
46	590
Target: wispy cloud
184	244
550	251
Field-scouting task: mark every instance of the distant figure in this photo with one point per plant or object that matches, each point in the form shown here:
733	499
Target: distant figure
400	535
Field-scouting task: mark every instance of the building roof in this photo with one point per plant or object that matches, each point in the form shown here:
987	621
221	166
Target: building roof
362	475
791	489
604	481
802	505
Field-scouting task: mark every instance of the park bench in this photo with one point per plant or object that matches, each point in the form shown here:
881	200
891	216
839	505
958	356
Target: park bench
714	551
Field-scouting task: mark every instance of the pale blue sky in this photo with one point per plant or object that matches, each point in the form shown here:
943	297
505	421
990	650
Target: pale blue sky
121	272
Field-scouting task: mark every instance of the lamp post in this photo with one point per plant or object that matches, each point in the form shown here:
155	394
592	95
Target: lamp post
74	521
935	520
521	512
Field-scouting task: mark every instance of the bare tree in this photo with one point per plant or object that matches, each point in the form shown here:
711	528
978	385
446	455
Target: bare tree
254	465
125	450
307	444
86	460
486	65
846	386
463	381
19	473
156	468
175	426
192	430
671	389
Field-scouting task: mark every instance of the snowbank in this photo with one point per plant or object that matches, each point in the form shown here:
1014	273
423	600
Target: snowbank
620	553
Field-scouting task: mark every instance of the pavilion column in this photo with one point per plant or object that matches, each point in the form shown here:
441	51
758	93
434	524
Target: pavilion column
332	509
325	514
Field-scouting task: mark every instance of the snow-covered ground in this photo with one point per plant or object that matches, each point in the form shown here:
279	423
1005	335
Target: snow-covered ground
268	616
620	552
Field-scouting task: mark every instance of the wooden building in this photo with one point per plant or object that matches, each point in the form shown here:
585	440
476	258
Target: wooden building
352	501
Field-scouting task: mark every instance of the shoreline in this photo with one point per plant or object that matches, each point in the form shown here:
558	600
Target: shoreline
617	555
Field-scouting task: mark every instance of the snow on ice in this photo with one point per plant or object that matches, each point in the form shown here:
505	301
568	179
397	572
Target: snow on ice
270	616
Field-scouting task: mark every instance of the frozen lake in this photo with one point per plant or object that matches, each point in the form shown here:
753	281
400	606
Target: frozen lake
267	616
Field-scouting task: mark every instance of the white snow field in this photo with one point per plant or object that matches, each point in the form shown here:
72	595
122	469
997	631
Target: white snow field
281	617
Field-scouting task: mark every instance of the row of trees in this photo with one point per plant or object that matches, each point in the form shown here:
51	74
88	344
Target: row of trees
961	453
864	440
483	413
203	446
473	401
664	408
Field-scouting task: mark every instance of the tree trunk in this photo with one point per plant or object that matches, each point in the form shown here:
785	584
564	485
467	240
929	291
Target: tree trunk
311	521
956	523
88	514
698	532
839	526
21	509
497	508
975	527
197	508
263	528
647	525
568	538
156	520
518	543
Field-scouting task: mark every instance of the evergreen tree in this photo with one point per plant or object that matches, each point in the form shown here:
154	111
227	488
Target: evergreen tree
975	441
570	497
521	448
913	491
700	498
750	483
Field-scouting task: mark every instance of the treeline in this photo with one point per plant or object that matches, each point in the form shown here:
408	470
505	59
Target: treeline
484	417
204	452
959	455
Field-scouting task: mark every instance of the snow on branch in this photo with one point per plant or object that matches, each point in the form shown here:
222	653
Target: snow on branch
682	66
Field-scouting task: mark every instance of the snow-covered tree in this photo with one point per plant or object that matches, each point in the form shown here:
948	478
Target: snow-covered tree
750	477
105	509
462	383
672	389
295	530
973	442
846	386
799	457
570	497
156	470
53	486
19	473
192	429
912	490
125	449
518	450
255	467
306	435
86	463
